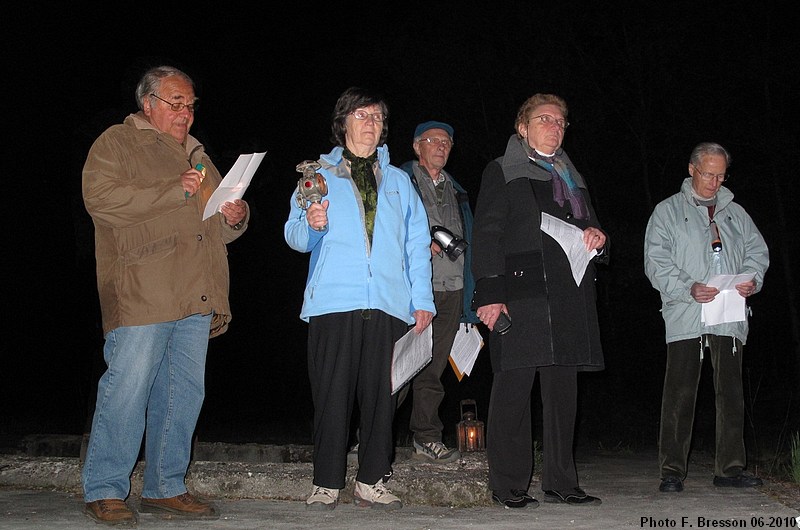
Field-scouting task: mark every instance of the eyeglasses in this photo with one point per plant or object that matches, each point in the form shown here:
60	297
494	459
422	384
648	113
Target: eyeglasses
552	120
177	107
721	177
363	115
438	141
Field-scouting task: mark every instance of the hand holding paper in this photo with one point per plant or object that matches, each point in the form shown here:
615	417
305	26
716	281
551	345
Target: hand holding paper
466	346
728	305
235	183
570	237
412	352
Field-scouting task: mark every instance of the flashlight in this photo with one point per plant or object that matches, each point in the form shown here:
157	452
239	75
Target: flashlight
451	244
716	244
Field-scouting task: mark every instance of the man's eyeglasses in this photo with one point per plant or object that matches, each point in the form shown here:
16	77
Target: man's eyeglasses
552	120
438	141
177	107
363	115
721	177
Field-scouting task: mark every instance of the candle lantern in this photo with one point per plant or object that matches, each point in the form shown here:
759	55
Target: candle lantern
470	431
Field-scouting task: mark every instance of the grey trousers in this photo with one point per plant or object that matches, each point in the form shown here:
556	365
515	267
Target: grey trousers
684	362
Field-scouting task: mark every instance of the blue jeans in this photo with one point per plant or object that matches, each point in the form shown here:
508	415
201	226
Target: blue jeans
154	384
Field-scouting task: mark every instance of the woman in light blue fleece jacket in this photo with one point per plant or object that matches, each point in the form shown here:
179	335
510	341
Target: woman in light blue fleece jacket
369	278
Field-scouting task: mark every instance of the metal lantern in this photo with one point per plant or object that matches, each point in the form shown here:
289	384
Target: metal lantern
470	431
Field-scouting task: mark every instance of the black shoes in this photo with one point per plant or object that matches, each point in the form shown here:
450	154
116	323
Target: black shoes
739	481
575	496
671	484
514	499
533	503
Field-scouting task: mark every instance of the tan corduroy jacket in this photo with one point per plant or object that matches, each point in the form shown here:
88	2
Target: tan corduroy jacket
157	261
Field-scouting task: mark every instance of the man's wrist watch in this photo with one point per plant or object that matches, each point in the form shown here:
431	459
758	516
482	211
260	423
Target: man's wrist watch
239	225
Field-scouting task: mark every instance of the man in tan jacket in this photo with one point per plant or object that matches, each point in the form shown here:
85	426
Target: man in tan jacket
162	277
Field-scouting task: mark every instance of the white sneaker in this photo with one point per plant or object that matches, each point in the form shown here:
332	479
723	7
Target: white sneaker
322	499
375	496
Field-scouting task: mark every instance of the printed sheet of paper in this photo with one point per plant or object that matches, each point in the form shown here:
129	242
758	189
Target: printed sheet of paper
728	305
411	354
466	346
570	237
234	184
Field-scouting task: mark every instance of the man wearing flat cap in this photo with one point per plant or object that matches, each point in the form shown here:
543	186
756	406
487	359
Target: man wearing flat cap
447	205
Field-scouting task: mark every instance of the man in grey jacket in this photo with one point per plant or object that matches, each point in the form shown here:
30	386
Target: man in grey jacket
691	237
450	218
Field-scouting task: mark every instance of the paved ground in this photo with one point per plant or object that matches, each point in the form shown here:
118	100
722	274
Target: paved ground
44	492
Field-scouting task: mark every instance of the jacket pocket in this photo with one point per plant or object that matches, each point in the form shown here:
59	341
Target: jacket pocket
525	276
152	251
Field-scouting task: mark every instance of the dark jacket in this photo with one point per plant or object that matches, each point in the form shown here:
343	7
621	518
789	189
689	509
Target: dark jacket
554	321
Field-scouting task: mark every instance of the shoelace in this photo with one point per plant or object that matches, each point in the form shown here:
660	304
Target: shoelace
187	499
380	489
319	490
103	504
437	448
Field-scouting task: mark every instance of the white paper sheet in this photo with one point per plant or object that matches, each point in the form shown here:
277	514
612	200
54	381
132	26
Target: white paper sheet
570	237
466	346
411	354
234	184
728	305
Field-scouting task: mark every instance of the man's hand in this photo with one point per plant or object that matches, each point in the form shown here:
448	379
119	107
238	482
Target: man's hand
747	288
191	180
702	293
234	212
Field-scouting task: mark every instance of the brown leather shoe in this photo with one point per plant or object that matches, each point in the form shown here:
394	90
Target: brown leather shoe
111	512
185	505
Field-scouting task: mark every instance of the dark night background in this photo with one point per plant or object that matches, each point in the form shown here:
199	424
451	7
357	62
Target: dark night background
643	87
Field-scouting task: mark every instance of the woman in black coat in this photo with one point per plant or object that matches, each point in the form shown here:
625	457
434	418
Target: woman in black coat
525	273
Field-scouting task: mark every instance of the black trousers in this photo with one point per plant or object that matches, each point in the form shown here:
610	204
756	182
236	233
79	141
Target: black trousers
509	440
349	361
684	363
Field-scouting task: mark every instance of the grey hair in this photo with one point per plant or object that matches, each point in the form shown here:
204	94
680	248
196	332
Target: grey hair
151	82
708	148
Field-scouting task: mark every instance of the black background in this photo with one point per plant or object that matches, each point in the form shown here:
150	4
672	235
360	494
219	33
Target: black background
644	85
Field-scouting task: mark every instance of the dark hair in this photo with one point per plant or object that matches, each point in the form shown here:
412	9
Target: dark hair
350	100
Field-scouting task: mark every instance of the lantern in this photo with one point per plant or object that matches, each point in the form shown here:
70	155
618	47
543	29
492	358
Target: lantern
469	429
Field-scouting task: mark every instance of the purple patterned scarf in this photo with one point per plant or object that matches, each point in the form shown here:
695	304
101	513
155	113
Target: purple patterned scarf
563	186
